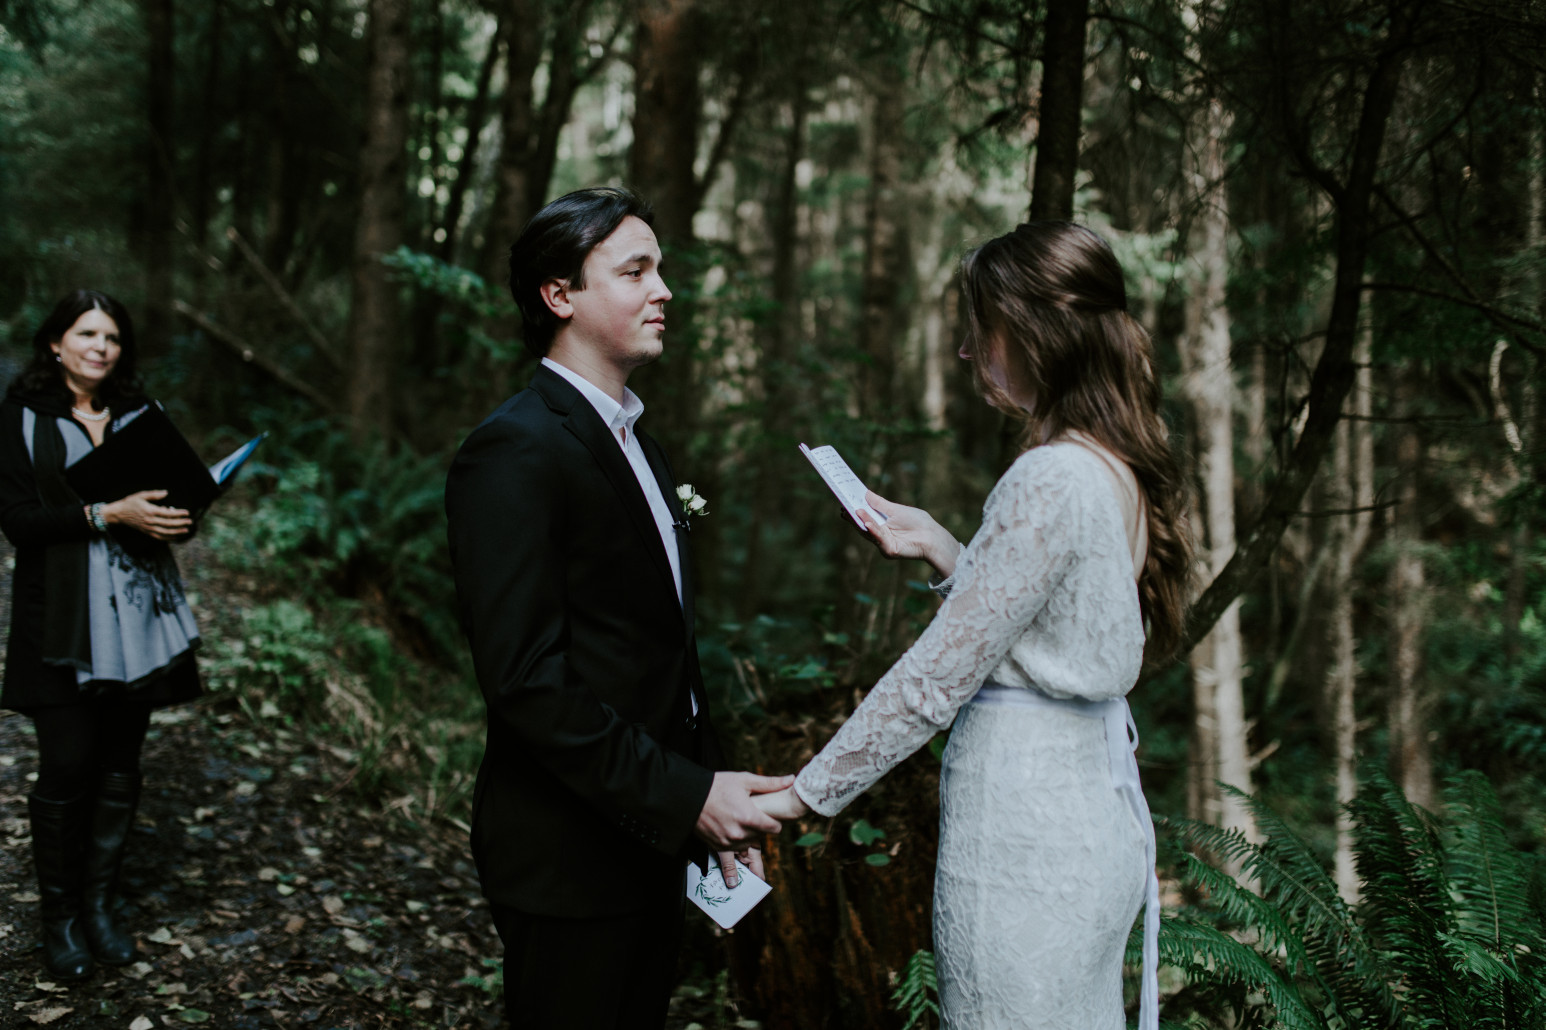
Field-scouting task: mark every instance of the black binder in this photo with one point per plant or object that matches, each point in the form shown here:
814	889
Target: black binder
146	452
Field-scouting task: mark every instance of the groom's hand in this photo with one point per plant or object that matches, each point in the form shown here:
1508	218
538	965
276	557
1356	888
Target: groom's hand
730	820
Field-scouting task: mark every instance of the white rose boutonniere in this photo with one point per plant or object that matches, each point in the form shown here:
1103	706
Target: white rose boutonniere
692	503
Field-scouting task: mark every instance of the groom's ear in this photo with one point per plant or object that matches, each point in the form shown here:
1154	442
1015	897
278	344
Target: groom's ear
555	294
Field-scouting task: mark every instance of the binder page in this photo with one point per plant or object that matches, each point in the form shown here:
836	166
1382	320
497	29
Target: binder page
226	467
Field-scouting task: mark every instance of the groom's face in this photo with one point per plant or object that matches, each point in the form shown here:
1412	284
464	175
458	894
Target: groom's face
620	315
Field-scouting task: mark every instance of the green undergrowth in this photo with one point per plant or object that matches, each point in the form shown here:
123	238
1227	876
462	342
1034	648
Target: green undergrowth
1449	928
339	621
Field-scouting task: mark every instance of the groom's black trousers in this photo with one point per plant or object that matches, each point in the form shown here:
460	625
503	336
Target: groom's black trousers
606	973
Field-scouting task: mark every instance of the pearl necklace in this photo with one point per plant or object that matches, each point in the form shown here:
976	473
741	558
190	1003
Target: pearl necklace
93	416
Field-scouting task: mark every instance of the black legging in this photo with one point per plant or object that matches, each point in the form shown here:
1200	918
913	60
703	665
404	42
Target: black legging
79	742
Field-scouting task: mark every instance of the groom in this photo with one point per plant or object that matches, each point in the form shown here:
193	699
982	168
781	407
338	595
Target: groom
573	581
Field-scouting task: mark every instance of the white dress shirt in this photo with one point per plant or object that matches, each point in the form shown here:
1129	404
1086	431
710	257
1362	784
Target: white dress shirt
620	419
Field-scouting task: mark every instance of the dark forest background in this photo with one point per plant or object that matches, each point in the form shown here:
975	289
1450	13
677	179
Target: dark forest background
1333	218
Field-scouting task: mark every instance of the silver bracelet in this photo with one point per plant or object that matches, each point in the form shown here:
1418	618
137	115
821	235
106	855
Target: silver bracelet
96	518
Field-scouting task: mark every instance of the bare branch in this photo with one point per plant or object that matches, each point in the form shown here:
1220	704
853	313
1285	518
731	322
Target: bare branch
969	29
1334	372
722	138
586	71
1495	313
1499	402
244	350
286	300
1326	513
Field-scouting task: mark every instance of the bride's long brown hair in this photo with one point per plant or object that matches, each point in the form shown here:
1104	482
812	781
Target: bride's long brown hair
1051	295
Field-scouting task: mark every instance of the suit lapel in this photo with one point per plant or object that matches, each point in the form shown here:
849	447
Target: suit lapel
581	420
662	470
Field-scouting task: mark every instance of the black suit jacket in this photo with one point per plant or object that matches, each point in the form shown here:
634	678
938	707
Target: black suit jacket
595	769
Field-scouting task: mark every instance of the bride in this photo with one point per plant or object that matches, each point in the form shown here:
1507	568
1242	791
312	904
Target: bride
1046	848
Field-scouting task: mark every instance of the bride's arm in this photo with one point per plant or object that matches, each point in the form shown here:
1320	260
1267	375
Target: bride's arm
1019	558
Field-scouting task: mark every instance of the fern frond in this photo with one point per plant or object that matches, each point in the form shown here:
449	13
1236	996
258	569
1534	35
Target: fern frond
1491	878
1244	908
1405	904
1332	950
1205	952
916	990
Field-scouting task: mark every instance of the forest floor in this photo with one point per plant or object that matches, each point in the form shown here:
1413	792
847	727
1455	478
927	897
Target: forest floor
264	892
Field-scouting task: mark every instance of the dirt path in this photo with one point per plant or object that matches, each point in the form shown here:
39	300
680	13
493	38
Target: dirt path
264	893
259	898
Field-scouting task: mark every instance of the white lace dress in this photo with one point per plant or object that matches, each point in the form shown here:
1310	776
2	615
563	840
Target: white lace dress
1042	863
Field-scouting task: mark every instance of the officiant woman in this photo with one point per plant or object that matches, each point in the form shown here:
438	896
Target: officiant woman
100	630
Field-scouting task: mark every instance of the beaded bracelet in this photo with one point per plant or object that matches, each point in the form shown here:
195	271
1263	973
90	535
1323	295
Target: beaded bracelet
96	518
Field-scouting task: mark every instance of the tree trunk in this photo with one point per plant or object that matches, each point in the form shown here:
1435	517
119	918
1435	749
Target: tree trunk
887	264
667	110
565	76
1351	488
775	365
156	322
429	128
373	322
203	190
1060	109
667	51
280	209
1528	421
243	185
1204	800
1218	669
517	122
1411	764
477	111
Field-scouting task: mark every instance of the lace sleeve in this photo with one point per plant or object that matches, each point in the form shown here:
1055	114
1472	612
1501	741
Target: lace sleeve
943	586
1012	568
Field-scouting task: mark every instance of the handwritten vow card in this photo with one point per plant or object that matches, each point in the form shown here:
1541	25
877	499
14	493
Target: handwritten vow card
723	905
840	479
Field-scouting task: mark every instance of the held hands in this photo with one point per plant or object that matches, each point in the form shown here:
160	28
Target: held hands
784	804
730	820
910	533
139	511
774	804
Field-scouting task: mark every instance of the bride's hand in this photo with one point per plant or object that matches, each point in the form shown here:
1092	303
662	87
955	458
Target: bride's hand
782	805
910	533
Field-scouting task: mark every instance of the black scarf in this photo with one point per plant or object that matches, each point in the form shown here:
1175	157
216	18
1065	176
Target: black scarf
66	630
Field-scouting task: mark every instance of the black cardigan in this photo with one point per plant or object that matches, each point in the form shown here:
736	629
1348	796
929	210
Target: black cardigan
31	526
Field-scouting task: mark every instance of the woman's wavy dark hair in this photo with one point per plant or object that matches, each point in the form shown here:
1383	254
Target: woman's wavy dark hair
42	377
1053	294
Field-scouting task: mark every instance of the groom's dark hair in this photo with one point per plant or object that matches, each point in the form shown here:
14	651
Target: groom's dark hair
554	245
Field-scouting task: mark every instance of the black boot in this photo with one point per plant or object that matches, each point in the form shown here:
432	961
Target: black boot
59	851
111	821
